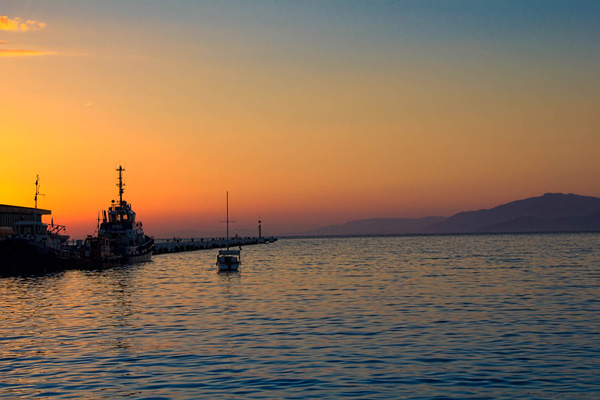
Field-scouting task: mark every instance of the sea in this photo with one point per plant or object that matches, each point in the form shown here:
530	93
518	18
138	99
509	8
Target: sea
506	316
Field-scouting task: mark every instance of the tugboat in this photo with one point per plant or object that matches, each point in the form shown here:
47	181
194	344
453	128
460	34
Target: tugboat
228	260
36	246
125	236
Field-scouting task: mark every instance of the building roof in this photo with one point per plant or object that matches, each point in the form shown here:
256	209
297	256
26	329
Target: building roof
22	210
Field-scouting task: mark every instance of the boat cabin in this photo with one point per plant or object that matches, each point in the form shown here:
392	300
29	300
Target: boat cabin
31	228
121	212
228	259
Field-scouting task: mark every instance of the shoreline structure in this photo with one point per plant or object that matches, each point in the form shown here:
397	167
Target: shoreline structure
176	245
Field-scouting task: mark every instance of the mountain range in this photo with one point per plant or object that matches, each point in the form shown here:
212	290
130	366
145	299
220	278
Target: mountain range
552	212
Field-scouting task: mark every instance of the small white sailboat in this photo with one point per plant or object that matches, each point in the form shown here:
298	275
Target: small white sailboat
228	260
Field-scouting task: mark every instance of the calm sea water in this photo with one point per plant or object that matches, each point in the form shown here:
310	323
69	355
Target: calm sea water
437	317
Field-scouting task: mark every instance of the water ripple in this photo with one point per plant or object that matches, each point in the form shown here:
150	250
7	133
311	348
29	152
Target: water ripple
446	317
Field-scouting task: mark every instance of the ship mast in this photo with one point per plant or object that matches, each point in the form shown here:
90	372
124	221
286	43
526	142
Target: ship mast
37	193
227	217
121	185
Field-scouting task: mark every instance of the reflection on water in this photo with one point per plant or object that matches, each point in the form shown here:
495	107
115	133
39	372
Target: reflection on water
493	316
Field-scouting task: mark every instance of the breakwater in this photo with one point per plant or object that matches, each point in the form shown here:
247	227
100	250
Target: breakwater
176	245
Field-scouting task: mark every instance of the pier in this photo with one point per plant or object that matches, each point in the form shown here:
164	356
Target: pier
177	245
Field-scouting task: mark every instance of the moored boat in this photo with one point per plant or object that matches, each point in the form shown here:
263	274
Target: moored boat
35	246
125	236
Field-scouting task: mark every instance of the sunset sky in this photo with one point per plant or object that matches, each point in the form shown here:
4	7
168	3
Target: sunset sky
309	113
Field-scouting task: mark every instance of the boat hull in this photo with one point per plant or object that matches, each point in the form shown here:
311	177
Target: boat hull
21	256
136	254
137	258
228	267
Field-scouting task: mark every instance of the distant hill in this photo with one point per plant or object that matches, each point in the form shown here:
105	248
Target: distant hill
532	224
550	212
378	226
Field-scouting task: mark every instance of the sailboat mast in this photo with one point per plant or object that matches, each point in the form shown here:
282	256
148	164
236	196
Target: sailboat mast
227	217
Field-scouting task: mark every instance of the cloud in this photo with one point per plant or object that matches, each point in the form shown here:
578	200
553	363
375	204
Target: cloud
17	24
21	53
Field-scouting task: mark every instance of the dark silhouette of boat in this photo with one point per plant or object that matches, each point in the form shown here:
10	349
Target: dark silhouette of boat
125	236
35	247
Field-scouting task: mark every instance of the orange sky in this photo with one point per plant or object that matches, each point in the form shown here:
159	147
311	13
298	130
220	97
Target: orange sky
309	114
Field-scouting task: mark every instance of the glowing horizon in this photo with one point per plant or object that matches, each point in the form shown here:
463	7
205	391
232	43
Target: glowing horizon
309	113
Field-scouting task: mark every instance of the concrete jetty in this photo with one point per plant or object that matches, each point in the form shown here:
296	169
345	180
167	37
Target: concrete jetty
176	245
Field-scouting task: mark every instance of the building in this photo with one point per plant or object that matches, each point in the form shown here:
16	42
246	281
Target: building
10	215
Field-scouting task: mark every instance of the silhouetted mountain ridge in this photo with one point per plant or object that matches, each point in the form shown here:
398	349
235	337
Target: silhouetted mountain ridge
378	226
550	212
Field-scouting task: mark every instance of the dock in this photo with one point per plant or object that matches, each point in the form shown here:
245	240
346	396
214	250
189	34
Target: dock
177	245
